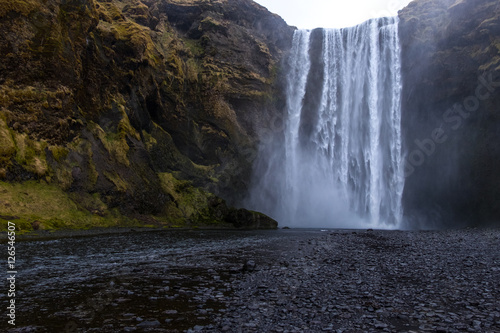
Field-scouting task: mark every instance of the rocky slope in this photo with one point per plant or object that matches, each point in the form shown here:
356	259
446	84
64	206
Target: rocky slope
451	98
145	112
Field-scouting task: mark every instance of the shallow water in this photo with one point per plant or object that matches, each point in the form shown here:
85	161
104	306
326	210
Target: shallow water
175	277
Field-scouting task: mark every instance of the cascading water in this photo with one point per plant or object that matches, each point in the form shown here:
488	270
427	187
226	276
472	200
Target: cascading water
340	162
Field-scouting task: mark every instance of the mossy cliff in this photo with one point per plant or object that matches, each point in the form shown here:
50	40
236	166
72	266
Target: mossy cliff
133	112
451	103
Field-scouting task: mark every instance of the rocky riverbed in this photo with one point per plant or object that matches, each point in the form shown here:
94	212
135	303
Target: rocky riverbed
261	281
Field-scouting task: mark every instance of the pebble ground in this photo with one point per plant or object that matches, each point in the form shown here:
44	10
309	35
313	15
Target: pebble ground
284	281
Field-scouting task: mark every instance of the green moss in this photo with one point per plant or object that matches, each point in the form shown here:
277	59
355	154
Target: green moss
131	37
195	47
92	203
49	205
22	225
137	11
109	12
149	140
189	204
115	143
49	41
165	38
204	171
23	104
23	7
22	95
264	49
64	177
212	24
120	184
124	126
193	70
186	199
139	38
93	174
31	154
59	153
7	146
175	62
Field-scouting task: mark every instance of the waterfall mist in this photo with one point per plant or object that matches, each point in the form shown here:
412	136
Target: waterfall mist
338	163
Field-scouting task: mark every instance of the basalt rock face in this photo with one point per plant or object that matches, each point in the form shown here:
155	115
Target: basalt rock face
151	108
451	119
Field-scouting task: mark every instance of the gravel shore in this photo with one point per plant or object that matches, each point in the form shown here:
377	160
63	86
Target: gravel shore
375	281
276	281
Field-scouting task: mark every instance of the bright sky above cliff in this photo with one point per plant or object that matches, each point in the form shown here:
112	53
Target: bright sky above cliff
309	14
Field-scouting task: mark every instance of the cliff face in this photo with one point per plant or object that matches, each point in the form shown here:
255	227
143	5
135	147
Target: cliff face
133	109
451	123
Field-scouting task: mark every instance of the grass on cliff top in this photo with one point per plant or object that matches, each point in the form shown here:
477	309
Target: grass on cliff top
31	201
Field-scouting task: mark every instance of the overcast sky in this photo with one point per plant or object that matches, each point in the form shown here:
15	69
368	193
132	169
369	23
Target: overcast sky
309	14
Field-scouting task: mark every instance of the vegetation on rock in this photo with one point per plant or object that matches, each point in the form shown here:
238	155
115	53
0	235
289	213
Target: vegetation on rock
127	112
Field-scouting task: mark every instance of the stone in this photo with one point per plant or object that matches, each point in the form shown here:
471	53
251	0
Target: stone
249	266
170	312
149	324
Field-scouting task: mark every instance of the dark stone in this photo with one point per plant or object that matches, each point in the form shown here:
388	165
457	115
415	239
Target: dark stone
249	266
246	219
149	324
35	225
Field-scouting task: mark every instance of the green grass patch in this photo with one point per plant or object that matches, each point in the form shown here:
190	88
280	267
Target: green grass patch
48	207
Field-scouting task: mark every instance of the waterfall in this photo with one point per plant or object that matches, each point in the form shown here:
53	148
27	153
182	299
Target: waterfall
339	162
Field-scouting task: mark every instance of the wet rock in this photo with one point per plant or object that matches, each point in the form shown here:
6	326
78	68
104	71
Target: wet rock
249	266
149	324
245	219
35	225
170	312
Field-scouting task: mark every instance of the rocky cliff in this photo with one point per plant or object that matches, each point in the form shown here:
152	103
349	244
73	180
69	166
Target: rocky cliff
451	119
131	111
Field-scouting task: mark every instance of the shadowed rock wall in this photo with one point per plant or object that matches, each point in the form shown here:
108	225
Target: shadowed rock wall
451	119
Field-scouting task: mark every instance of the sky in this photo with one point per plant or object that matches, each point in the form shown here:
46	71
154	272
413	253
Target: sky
310	14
